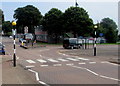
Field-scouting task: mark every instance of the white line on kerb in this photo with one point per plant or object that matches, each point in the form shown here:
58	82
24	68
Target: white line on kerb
95	73
37	77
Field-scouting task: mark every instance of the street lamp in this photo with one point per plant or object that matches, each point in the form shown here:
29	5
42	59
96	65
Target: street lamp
95	27
14	32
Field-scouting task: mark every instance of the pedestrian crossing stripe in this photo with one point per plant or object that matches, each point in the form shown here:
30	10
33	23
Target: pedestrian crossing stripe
52	60
57	60
82	58
41	60
30	61
72	59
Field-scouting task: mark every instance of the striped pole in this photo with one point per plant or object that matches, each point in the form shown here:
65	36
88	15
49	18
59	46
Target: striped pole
14	55
95	41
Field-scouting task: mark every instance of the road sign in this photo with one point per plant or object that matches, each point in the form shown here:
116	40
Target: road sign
101	34
25	29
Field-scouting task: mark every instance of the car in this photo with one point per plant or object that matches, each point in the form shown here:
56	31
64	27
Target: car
22	40
72	43
2	49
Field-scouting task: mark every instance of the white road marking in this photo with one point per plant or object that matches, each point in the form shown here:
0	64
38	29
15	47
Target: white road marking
70	64
36	74
82	58
17	57
110	63
30	66
52	60
72	59
81	63
37	77
41	82
57	65
92	72
104	62
30	61
92	62
43	65
95	73
41	60
64	60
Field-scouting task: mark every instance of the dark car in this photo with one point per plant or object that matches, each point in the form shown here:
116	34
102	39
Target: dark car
2	50
71	43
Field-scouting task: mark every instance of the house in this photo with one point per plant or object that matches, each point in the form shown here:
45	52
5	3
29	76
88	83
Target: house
40	34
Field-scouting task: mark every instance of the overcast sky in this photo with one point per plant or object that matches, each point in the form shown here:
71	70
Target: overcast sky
97	9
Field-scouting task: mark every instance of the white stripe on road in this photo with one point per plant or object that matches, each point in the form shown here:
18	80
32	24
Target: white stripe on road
70	64
64	60
43	65
41	60
72	59
82	58
95	73
52	60
37	77
30	61
30	66
82	63
57	65
110	63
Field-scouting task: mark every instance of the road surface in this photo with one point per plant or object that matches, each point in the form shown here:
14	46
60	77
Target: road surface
49	66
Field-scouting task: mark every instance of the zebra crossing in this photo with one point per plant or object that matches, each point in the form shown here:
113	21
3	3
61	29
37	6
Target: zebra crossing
56	60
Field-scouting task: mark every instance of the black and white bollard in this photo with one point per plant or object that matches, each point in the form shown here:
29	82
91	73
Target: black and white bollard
95	45
14	55
95	50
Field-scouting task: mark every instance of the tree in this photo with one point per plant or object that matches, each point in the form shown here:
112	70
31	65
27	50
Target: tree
77	20
28	16
7	27
52	22
1	16
109	28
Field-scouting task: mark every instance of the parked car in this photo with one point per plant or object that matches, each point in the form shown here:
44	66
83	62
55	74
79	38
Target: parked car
22	40
2	50
72	43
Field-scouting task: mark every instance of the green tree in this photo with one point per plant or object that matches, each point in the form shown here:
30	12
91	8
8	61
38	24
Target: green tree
52	22
1	16
109	28
77	21
7	27
27	16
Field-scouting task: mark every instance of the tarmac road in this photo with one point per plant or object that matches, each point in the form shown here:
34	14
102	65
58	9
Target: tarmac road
49	65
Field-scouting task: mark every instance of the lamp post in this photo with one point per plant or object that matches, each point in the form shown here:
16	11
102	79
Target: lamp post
95	27
14	32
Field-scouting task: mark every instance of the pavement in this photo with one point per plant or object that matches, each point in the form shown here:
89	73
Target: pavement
14	75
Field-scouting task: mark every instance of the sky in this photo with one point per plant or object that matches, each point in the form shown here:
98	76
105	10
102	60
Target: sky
97	9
